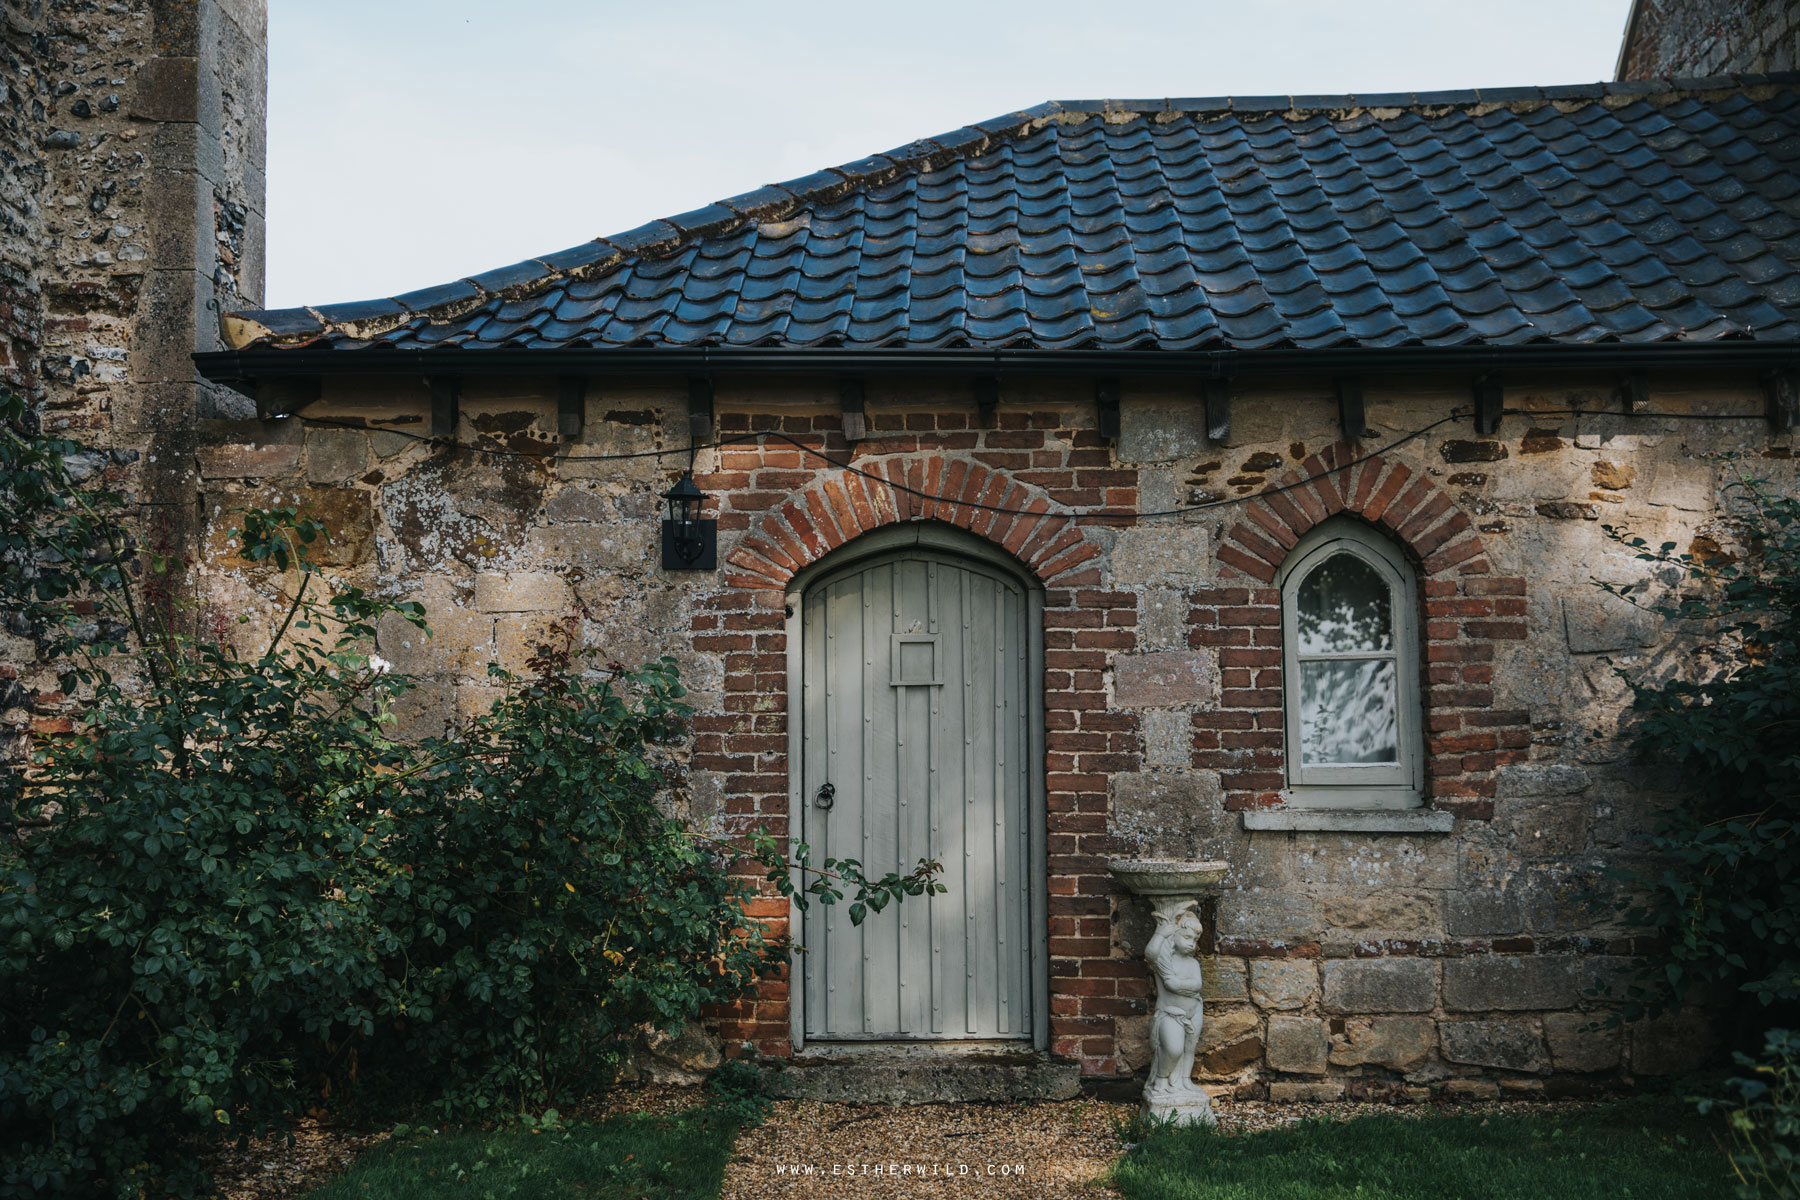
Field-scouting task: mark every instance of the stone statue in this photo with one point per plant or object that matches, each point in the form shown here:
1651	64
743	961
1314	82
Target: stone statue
1175	1025
1173	888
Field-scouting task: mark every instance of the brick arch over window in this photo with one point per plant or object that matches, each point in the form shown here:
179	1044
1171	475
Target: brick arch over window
834	509
1467	611
1409	506
1086	742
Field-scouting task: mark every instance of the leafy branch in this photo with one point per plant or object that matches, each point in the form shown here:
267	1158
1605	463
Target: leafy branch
1725	893
823	882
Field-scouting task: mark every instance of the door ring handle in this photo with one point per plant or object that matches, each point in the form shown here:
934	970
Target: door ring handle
826	797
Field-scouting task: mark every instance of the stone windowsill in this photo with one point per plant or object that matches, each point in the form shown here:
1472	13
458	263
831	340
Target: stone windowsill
1348	820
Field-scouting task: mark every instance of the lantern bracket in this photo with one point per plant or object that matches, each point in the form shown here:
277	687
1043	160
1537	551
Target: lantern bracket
690	542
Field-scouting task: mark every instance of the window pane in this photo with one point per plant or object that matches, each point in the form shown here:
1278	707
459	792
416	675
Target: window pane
1345	606
1349	712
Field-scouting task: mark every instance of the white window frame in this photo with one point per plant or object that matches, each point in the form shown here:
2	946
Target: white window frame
1396	785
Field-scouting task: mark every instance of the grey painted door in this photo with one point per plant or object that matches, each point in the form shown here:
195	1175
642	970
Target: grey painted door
914	676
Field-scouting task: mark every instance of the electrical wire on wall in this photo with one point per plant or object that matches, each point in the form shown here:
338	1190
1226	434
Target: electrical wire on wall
759	436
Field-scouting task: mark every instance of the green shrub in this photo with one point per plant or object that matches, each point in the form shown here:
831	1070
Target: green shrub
229	897
1763	1112
184	906
543	906
1725	895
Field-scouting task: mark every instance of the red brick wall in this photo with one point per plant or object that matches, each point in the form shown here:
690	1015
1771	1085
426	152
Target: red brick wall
789	509
1466	610
792	509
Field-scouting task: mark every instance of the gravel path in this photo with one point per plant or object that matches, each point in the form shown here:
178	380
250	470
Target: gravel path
1057	1151
990	1150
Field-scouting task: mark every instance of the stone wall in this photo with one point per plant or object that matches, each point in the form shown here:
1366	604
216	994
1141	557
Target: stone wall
1340	963
131	201
1673	39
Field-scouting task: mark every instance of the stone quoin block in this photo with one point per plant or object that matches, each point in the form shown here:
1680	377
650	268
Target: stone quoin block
1223	979
248	461
1561	897
1399	1043
1513	1045
1400	912
1168	741
1157	430
1298	1045
1230	1039
578	504
1541	779
1379	985
1304	1091
1600	623
521	592
1281	983
1172	814
335	455
1266	914
349	520
1548	828
1165	679
1581	1041
1162	553
1511	982
1481	910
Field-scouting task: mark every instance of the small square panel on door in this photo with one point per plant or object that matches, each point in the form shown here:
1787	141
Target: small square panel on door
914	661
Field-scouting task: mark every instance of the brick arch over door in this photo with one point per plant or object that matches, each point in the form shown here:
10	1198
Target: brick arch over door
1085	743
1466	609
835	508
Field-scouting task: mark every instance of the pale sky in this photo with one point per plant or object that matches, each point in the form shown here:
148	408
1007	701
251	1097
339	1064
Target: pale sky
416	141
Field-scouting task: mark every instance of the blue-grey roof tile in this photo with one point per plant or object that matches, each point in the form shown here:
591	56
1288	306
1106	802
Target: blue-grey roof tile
760	201
705	217
358	310
1504	217
288	322
644	236
514	275
575	257
818	181
441	295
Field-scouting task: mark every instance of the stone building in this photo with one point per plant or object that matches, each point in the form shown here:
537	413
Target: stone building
1685	39
131	215
1185	479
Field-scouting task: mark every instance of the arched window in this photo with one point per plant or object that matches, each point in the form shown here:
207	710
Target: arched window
1350	669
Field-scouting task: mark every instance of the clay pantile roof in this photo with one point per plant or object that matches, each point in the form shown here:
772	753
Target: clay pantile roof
1627	213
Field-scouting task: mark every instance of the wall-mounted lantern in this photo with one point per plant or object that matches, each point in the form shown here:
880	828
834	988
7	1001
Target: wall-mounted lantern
689	542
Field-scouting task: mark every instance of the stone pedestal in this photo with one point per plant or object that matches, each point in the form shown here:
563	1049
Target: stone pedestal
1174	890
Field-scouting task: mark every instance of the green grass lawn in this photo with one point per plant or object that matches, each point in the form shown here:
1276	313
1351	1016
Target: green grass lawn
1640	1150
637	1156
1637	1150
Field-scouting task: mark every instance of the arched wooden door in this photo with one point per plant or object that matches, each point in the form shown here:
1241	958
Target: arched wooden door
916	677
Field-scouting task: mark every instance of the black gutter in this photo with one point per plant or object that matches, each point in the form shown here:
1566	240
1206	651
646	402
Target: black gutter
241	369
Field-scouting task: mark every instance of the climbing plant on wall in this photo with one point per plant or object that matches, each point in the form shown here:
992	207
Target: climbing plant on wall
1725	895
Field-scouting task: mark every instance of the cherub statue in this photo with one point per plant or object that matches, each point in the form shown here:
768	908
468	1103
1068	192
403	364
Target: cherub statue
1175	1026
